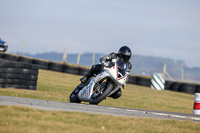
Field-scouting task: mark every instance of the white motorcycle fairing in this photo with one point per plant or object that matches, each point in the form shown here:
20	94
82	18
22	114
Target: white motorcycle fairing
86	93
114	75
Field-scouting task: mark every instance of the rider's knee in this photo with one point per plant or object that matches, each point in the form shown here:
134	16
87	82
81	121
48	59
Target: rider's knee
116	94
97	68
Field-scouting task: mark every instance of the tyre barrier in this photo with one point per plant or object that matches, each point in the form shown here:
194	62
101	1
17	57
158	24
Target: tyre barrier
132	79
10	57
168	85
198	89
70	69
82	71
18	75
18	71
54	66
142	81
79	70
187	88
196	108
43	64
175	86
25	59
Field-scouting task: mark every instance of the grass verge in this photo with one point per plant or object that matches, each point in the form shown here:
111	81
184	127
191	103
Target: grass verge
22	119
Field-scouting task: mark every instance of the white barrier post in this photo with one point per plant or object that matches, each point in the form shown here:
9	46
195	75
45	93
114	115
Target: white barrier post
64	56
22	52
196	108
78	59
157	81
164	71
93	58
182	74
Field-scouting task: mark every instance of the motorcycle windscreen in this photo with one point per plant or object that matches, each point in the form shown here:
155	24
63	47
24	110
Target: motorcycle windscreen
122	67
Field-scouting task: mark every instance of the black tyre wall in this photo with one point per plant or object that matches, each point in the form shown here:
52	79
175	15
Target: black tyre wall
43	64
132	80
82	71
198	89
56	67
18	75
175	86
18	71
168	85
10	57
187	88
1	55
25	59
70	69
18	81
143	81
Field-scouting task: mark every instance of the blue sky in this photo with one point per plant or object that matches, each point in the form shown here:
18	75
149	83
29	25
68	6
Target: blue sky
149	27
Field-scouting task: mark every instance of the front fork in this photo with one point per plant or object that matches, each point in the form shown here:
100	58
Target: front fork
99	89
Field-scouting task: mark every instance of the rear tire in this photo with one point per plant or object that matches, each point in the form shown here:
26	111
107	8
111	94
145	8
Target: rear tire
100	97
73	98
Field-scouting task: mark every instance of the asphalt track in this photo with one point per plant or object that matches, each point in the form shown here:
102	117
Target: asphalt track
94	109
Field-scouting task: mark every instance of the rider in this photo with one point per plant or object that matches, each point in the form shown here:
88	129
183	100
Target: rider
123	55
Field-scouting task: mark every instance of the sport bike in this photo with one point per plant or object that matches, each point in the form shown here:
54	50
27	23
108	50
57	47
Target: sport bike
102	85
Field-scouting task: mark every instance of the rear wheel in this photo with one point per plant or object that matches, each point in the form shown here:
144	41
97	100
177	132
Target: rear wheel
102	90
73	98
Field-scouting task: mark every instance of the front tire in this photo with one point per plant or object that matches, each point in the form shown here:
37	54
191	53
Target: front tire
97	99
73	98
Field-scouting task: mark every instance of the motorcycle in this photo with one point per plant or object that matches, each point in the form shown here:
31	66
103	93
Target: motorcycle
102	85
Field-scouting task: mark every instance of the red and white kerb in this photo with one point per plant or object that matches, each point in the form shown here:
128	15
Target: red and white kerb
196	108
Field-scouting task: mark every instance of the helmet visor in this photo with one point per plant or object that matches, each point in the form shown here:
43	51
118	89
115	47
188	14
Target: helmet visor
123	58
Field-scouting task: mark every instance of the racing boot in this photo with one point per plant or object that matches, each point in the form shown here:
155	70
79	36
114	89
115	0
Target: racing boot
94	70
86	77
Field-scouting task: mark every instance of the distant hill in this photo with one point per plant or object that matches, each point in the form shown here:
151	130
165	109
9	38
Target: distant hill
142	65
147	65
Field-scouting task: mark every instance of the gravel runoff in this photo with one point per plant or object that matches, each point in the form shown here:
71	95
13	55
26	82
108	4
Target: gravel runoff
94	109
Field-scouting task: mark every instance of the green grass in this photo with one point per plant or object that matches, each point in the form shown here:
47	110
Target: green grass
58	86
27	120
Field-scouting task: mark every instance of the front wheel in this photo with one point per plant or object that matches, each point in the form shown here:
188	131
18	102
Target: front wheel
98	96
73	98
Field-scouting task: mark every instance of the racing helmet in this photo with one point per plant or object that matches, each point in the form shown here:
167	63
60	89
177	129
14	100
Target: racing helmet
124	54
